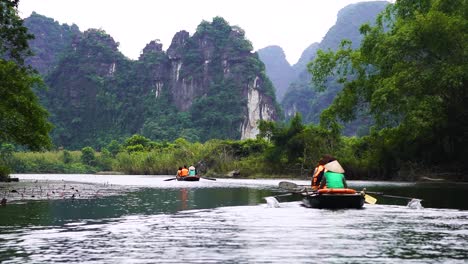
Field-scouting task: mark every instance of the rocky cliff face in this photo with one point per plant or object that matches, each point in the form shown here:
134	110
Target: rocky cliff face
197	64
259	107
50	40
278	69
209	85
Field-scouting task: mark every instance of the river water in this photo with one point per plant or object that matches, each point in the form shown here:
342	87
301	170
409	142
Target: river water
144	219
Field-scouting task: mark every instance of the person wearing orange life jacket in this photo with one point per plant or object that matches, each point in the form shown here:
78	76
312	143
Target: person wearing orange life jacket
184	171
320	170
179	172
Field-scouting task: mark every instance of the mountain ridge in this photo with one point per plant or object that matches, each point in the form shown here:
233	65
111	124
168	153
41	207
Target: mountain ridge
300	96
208	85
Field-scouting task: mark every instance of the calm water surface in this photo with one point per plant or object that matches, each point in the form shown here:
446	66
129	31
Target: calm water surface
145	219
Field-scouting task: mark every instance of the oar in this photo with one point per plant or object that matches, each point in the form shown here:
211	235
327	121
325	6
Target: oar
392	196
369	199
273	200
206	178
282	195
171	179
291	186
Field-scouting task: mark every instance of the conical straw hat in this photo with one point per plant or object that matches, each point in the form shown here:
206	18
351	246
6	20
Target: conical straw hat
334	166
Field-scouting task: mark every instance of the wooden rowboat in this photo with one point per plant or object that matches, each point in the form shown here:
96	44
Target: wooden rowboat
326	198
188	178
333	201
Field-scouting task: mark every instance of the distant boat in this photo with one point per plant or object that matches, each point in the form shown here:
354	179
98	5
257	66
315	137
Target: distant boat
188	178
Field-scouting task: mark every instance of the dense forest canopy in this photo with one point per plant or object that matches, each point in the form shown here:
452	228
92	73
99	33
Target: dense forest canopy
302	97
411	71
198	89
23	120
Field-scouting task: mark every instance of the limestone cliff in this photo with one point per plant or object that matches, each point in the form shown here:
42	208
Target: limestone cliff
215	61
208	85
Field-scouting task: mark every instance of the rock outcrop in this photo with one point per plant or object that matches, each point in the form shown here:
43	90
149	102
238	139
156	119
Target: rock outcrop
208	85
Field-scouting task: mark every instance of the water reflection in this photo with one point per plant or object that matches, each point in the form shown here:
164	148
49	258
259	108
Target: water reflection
144	201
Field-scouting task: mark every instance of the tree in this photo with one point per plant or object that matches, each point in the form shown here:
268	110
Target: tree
411	72
22	119
88	156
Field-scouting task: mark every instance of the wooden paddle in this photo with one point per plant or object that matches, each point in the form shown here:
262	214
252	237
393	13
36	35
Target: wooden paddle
206	178
171	179
369	199
392	196
291	186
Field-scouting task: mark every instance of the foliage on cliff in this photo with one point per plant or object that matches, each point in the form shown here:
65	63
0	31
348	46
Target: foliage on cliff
195	90
50	40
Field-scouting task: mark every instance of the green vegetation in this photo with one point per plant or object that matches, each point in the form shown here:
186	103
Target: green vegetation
139	155
96	94
411	73
301	95
23	120
50	41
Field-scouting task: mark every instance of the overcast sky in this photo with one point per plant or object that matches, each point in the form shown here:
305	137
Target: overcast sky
291	24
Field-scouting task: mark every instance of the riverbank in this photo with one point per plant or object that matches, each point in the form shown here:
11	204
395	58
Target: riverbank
258	158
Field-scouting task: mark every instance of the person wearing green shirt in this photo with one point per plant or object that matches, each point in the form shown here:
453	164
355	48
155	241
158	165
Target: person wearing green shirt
333	176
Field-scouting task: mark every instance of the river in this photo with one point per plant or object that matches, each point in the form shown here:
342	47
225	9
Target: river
144	219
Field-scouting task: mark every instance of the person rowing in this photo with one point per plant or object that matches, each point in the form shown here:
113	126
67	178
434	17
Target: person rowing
333	178
184	172
320	170
192	171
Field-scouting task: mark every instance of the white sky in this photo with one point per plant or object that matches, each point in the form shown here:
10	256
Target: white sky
291	24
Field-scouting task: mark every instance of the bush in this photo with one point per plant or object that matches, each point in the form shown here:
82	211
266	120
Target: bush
114	147
4	172
67	157
88	157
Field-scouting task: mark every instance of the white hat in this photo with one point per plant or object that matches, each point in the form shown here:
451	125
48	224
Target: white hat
334	166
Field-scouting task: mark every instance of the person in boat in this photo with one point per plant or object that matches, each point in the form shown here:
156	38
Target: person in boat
320	170
179	172
333	178
192	171
184	172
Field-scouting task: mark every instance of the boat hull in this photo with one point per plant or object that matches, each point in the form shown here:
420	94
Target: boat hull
334	201
188	178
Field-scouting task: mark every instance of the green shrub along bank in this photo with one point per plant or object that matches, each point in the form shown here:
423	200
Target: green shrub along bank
281	150
139	155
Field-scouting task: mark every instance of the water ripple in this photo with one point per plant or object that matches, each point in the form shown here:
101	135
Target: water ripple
245	234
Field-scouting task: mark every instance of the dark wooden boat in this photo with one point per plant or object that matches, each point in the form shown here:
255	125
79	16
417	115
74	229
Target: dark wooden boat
189	178
333	200
326	198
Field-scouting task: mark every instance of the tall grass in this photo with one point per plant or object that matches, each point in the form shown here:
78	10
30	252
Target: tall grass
213	158
49	162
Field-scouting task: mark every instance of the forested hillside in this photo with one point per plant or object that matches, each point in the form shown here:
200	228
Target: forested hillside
50	40
408	74
300	96
208	85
